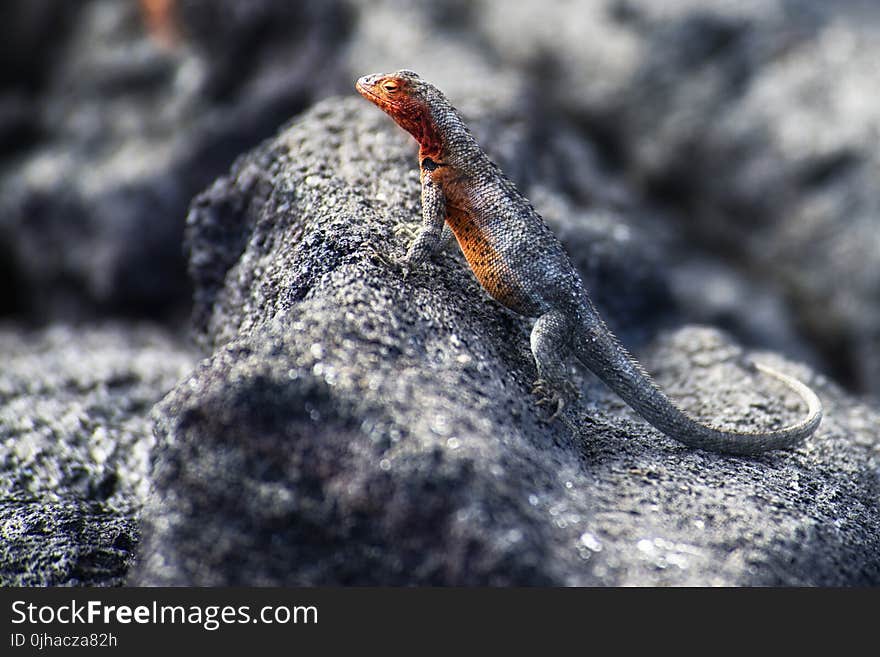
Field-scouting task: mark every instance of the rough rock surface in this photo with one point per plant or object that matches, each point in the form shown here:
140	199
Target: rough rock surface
704	161
351	427
75	439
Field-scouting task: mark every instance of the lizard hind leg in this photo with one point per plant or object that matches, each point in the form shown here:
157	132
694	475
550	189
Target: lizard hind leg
551	347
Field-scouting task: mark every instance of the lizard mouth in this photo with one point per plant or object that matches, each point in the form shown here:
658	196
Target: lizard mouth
367	93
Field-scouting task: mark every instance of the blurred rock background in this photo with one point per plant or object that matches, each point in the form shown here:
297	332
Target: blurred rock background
704	161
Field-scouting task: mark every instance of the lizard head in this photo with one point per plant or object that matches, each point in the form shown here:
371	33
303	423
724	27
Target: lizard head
406	98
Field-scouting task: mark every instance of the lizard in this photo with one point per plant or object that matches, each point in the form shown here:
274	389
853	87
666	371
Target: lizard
518	260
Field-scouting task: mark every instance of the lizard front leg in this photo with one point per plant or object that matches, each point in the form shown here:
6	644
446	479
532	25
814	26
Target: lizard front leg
430	237
433	234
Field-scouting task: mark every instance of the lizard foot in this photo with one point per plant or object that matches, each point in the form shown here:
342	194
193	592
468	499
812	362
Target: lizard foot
553	398
401	265
382	258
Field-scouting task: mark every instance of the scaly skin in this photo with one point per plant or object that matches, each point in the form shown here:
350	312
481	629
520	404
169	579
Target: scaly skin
520	263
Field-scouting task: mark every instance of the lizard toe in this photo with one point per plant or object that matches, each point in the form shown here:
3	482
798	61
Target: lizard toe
405	231
381	257
560	406
550	397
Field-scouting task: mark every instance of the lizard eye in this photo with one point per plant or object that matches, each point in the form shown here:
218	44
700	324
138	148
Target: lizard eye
390	86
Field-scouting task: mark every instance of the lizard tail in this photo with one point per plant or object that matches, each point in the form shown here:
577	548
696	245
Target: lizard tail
605	356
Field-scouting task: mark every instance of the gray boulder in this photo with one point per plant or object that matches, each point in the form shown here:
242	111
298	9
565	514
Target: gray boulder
352	427
703	161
